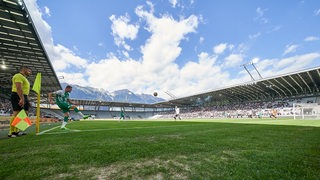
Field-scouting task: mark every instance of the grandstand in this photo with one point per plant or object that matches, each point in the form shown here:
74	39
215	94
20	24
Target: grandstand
21	44
293	85
279	92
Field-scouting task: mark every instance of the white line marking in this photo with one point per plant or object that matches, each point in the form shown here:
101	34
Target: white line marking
51	130
111	129
47	130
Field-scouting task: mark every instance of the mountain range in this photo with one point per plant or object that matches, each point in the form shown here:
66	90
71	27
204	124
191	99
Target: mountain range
124	95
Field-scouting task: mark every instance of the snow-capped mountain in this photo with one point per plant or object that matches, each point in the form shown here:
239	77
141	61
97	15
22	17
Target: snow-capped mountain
124	95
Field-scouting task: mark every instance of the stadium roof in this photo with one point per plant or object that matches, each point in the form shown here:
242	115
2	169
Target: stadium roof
296	84
291	85
20	45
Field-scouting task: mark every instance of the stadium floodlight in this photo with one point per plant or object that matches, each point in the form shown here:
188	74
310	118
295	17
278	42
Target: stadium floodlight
20	2
255	68
3	66
245	67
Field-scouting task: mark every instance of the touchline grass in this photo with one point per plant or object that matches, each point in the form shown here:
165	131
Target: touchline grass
190	149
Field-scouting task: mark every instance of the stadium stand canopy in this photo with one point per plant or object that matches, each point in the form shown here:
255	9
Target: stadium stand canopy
292	85
20	44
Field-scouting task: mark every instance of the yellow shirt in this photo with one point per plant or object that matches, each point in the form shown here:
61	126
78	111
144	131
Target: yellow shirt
24	83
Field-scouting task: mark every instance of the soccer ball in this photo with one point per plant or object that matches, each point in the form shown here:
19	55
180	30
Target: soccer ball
155	94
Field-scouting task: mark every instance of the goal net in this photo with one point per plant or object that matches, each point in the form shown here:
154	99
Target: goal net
306	111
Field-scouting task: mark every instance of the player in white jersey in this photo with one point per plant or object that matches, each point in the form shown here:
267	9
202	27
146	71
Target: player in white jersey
177	114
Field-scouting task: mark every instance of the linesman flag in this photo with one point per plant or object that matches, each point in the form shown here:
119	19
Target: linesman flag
21	121
37	87
37	84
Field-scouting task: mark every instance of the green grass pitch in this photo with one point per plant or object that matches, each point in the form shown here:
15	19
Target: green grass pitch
166	149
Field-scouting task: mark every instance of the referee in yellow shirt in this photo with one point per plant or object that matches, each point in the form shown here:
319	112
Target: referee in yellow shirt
19	97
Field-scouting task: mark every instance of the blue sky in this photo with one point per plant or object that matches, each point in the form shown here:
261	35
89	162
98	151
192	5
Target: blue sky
181	47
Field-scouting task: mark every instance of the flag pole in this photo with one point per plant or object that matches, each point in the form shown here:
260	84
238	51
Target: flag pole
37	88
38	114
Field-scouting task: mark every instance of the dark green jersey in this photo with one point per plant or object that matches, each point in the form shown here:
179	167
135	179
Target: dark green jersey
61	96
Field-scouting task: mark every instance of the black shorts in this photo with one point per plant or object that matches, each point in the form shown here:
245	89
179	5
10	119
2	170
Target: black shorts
15	102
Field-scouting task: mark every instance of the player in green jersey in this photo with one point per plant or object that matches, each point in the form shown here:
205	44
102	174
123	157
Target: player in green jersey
122	114
65	104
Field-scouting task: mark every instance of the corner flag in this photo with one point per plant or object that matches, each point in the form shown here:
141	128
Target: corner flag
21	121
37	87
37	84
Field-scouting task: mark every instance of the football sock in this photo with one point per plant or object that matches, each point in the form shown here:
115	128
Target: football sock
76	110
65	121
80	113
63	124
12	128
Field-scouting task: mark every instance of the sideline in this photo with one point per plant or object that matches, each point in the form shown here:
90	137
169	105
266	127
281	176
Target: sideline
42	132
266	121
112	129
48	130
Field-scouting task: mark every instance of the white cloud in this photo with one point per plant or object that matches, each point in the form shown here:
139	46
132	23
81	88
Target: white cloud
273	67
296	62
47	11
290	49
126	54
156	69
42	26
233	60
75	48
230	47
113	74
173	3
254	36
121	30
73	78
162	48
100	44
203	75
255	60
220	48
274	29
201	40
311	38
260	16
63	58
260	12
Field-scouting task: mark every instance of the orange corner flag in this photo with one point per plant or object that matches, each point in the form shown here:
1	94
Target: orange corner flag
37	84
21	121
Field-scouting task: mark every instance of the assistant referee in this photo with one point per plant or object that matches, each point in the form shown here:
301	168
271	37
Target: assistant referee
19	97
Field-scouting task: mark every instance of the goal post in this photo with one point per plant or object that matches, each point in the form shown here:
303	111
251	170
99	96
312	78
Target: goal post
306	111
